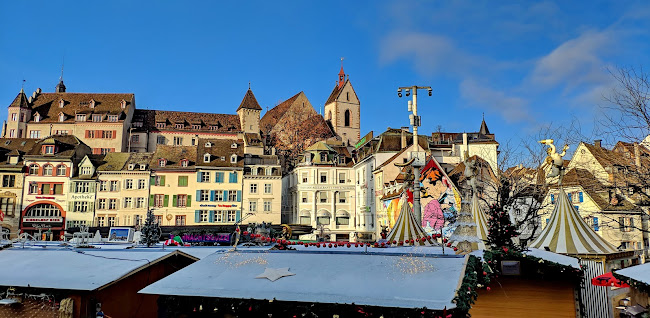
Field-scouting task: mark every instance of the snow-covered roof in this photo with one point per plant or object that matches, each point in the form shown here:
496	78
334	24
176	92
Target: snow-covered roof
639	273
73	269
545	255
403	281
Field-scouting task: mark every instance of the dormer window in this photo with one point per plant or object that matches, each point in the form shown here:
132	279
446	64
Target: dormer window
37	117
160	125
208	144
48	150
97	118
206	157
143	167
323	157
131	166
233	158
114	118
214	127
184	163
61	117
179	126
196	127
234	145
92	103
162	162
61	103
86	171
80	117
223	158
123	104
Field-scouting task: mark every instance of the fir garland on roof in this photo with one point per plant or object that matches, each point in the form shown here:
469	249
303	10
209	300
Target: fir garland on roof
539	267
475	277
638	285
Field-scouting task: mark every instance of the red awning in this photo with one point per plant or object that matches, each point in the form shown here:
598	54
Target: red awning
608	279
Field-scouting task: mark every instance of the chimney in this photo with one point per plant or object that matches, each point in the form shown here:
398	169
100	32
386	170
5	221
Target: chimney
404	143
637	154
597	143
465	147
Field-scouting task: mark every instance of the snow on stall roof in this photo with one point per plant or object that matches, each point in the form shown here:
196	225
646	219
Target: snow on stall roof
339	277
545	255
71	269
638	272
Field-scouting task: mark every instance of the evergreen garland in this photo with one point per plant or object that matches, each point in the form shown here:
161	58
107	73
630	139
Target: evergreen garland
150	231
475	278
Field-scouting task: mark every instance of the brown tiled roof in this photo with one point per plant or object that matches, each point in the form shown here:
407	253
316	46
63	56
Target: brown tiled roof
20	101
67	144
173	155
114	161
14	147
220	148
253	139
597	191
47	105
274	114
458	173
334	95
223	122
249	101
146	117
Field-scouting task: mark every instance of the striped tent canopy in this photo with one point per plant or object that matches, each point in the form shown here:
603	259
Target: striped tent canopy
567	233
407	228
481	223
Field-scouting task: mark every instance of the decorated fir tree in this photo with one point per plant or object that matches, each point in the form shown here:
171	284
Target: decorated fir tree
500	230
465	232
150	231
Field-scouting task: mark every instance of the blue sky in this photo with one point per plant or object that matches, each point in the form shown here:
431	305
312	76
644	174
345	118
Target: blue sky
524	65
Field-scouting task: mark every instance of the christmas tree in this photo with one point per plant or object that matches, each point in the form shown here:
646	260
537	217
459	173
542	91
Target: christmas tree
500	229
150	231
465	232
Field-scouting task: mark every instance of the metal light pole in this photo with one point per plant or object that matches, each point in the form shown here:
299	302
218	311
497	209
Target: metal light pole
418	158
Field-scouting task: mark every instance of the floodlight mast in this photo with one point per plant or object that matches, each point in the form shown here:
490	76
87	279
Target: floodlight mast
419	157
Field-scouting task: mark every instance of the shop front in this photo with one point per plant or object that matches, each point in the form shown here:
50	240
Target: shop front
44	220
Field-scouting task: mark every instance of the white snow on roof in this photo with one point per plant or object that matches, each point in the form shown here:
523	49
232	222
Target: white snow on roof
69	269
545	255
375	280
638	272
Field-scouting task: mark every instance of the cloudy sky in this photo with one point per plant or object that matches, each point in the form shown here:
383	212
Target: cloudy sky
524	66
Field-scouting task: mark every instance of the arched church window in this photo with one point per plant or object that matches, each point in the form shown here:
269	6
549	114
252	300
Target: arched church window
347	118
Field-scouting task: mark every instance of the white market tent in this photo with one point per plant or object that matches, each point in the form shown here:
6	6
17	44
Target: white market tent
567	233
639	273
407	228
74	269
385	280
481	223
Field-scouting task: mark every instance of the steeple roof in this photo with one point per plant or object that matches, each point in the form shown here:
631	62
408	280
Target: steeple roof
484	128
567	233
20	100
249	101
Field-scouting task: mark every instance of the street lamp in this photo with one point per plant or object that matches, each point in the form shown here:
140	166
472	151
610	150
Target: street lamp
417	157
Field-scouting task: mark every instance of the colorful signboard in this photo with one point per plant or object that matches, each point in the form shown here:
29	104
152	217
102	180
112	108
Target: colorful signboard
120	234
206	238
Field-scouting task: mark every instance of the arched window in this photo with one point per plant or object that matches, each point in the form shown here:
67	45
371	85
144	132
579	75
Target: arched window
60	170
44	210
347	118
329	115
48	170
33	169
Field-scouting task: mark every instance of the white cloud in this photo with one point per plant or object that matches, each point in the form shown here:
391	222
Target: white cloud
511	108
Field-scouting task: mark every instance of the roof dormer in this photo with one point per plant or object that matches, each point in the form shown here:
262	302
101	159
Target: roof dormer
92	103
233	158
184	163
123	104
162	162
61	117
37	117
206	157
234	145
61	103
143	166
131	166
208	144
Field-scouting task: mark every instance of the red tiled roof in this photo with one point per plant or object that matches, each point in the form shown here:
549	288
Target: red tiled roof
222	122
47	105
272	116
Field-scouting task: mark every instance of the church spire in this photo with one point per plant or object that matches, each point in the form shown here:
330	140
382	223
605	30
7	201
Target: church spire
60	88
341	76
484	128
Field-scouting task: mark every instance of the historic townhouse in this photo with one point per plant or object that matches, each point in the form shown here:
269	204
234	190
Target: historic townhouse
12	176
449	148
50	165
172	181
82	192
320	191
99	120
122	189
262	192
218	183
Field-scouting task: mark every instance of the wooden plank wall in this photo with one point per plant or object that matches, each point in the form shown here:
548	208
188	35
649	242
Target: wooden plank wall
520	297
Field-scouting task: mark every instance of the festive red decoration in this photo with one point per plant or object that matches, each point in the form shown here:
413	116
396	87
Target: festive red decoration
273	239
394	242
330	245
505	249
488	289
368	244
383	244
423	239
455	248
245	232
349	245
444	240
317	245
400	242
448	244
412	241
484	274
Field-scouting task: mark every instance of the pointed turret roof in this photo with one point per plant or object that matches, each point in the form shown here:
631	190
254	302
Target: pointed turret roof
407	228
567	233
60	88
20	100
249	101
484	128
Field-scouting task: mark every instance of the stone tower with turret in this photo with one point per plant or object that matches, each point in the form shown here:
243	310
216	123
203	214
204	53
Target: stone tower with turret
18	114
343	110
249	113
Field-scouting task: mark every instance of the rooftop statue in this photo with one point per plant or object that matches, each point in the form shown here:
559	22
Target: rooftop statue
555	159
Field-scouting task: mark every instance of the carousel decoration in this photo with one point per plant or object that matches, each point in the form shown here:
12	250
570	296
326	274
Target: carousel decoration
471	226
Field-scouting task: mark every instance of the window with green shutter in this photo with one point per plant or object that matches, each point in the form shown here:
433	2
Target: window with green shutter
182	181
151	200
189	201
174	201
166	200
162	180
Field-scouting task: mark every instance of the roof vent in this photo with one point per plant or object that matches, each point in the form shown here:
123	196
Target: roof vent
29	99
131	166
143	167
234	145
38	90
208	144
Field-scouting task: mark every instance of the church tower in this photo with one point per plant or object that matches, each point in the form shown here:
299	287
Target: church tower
343	110
249	113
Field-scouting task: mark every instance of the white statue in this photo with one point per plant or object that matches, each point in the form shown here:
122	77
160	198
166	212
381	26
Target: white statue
554	159
471	171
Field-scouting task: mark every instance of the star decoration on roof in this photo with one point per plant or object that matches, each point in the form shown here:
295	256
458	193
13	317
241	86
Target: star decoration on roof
274	274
